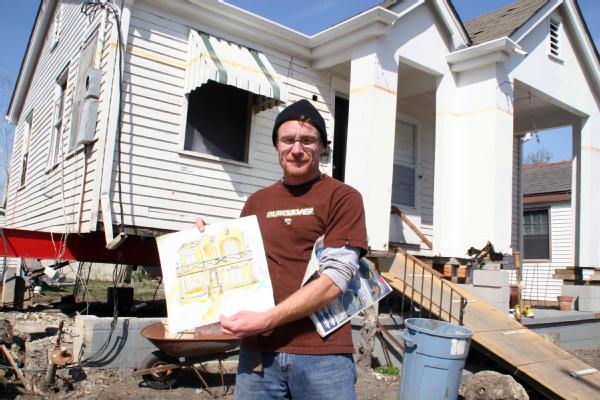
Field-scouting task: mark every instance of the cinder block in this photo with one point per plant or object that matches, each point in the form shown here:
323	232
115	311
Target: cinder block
582	291
587	304
491	266
13	288
126	348
490	278
489	294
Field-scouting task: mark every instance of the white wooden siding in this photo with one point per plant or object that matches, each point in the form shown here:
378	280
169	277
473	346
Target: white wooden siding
39	205
421	110
162	187
537	277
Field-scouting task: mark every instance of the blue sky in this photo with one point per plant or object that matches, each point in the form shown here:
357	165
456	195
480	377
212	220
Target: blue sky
17	17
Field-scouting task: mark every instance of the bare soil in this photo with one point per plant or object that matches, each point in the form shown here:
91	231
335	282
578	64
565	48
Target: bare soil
35	328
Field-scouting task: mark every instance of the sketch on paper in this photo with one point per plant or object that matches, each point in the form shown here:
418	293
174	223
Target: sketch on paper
220	271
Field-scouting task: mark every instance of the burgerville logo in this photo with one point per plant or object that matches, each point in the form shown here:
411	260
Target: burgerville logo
291	213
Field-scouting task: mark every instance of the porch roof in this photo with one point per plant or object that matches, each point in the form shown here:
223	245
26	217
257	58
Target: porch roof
547	178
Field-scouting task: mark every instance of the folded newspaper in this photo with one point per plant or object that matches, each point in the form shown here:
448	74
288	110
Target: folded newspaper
367	288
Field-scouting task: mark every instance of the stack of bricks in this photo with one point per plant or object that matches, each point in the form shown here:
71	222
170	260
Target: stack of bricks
456	273
583	284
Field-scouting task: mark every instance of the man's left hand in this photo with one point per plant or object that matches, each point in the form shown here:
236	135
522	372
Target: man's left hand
245	323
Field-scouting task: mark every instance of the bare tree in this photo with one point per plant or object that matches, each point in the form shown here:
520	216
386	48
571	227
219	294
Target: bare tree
541	156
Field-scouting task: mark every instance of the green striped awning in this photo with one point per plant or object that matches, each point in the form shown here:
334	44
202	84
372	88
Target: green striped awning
212	58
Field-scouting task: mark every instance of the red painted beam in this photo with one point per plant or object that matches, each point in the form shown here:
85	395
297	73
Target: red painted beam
89	247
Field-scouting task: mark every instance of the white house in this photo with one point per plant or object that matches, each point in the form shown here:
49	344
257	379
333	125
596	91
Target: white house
547	228
424	112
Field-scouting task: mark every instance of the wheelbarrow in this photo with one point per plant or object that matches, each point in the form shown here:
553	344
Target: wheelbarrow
161	368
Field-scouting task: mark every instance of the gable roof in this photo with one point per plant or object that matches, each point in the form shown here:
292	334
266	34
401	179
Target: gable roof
547	178
503	21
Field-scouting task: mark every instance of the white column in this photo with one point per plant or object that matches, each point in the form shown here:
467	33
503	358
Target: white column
371	128
473	162
588	194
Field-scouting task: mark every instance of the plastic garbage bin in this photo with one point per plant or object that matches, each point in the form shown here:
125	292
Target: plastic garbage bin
434	356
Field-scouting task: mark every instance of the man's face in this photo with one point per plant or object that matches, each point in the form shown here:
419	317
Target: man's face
300	162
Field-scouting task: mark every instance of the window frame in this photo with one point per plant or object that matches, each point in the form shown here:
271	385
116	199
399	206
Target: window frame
56	26
548	210
25	147
58	120
250	133
416	209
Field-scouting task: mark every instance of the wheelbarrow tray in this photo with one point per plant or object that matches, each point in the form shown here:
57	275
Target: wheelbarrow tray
189	344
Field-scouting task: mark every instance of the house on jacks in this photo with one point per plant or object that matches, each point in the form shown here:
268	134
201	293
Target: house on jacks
140	115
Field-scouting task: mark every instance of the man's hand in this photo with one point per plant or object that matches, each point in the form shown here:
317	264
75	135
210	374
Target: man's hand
200	224
246	323
301	303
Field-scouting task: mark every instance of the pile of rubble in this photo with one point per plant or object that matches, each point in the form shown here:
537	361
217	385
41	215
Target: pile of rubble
29	337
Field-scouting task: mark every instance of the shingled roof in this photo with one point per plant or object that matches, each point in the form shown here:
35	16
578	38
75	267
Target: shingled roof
547	178
503	21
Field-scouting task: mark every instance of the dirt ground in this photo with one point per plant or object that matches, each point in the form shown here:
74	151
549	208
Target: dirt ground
93	383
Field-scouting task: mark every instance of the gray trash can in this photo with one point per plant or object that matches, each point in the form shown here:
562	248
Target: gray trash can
434	356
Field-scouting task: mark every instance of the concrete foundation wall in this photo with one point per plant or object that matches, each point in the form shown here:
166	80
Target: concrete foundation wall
126	348
587	298
572	335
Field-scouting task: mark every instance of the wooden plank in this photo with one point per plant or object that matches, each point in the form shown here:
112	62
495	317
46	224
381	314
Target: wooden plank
520	347
536	360
558	382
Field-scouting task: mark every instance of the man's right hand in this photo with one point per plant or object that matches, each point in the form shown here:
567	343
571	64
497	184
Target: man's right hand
200	224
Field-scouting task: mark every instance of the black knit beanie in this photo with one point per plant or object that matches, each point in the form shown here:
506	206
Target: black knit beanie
301	110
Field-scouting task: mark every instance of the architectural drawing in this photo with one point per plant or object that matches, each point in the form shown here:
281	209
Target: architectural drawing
220	271
214	263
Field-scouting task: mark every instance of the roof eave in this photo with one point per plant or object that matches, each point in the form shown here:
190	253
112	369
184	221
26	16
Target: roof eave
494	51
30	59
453	22
335	44
590	53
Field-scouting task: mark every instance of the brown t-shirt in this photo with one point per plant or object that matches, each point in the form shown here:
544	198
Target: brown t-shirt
291	218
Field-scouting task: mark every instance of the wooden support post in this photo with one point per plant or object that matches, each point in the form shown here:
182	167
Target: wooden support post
519	274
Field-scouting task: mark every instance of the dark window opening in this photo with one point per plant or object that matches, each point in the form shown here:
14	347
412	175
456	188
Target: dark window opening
218	121
340	137
536	235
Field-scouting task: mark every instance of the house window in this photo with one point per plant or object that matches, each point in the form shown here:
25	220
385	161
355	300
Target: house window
25	149
55	27
536	235
218	124
60	91
554	38
405	165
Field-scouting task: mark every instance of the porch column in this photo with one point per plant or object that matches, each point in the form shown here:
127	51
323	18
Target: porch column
370	143
473	162
588	193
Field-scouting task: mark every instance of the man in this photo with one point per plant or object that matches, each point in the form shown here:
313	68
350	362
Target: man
282	355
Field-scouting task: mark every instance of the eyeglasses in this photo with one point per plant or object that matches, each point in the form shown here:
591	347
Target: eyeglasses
304	140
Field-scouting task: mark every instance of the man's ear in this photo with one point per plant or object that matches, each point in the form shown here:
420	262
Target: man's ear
325	152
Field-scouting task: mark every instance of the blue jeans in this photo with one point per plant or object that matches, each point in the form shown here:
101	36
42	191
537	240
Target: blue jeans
296	376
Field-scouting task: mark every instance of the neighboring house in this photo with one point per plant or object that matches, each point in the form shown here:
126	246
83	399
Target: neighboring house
424	112
548	234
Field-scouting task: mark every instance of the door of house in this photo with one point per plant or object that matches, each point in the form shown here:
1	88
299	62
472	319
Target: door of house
340	135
